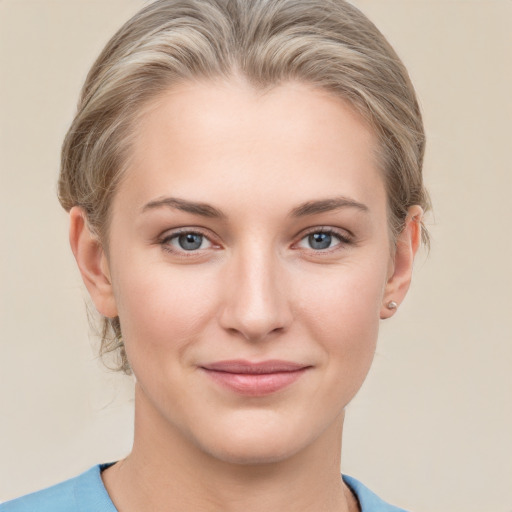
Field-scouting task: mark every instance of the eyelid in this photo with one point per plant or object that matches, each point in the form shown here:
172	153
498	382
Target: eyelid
173	233
345	237
344	234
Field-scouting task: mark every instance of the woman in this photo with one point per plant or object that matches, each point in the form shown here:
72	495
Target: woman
245	194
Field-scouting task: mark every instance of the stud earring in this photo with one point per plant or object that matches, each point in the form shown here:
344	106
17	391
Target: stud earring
392	304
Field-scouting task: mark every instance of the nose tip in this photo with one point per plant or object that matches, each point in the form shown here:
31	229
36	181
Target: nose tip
254	328
256	305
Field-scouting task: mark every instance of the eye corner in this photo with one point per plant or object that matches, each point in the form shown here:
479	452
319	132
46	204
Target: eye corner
325	235
175	242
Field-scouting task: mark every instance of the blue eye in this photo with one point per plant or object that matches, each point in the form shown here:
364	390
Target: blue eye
321	240
188	241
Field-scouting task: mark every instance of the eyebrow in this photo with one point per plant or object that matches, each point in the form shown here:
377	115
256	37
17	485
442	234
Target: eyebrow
202	209
327	205
207	210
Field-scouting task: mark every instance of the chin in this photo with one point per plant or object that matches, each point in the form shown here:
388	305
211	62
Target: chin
257	440
251	452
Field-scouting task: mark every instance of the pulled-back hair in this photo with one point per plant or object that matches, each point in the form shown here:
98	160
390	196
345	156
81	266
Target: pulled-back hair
327	43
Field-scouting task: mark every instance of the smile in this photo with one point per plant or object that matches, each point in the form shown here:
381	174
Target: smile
254	379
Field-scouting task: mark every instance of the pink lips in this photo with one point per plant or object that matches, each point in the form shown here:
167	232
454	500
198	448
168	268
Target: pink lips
255	379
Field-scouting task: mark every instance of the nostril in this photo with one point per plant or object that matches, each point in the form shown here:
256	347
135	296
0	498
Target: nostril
254	330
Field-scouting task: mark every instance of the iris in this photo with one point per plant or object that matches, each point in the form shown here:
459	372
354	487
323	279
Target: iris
320	240
190	241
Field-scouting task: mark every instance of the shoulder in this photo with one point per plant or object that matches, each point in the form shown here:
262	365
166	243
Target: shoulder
368	501
82	493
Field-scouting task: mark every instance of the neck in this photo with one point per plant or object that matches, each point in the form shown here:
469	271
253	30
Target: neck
166	471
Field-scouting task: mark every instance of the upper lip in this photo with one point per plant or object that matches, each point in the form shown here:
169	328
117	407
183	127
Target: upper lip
241	366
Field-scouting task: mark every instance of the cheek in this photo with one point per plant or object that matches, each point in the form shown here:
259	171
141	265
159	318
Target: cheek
346	299
342	312
161	308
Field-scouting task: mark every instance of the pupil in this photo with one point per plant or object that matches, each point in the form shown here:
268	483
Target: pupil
190	241
320	240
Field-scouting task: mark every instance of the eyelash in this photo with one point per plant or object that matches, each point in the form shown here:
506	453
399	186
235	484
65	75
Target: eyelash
344	238
165	242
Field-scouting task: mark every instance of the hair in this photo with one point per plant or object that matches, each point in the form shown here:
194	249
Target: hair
326	43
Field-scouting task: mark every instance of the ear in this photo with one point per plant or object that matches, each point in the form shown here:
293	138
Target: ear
92	263
401	265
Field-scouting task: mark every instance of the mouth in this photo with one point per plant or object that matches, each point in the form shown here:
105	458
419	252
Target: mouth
254	379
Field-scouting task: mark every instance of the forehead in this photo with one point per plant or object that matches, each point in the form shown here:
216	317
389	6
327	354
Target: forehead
209	140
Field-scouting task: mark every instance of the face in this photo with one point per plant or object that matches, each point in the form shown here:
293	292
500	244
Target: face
249	261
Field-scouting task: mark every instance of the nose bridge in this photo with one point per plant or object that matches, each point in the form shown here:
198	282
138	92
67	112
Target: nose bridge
255	302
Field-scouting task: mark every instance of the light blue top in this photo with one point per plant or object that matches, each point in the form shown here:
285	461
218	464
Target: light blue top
86	493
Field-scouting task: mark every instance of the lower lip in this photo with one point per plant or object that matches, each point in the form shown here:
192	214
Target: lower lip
252	384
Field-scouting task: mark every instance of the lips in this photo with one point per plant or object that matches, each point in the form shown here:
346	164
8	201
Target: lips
254	379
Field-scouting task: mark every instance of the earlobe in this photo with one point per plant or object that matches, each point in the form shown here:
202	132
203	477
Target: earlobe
92	263
407	245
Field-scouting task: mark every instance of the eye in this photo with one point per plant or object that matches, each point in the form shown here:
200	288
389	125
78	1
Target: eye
186	241
322	239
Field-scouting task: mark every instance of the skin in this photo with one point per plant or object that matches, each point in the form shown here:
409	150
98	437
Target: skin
256	289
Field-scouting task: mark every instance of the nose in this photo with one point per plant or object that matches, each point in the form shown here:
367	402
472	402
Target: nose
257	300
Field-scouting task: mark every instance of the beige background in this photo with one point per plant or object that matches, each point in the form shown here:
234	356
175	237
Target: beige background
431	429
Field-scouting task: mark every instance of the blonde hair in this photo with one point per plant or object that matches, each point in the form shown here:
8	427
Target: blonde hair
327	43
